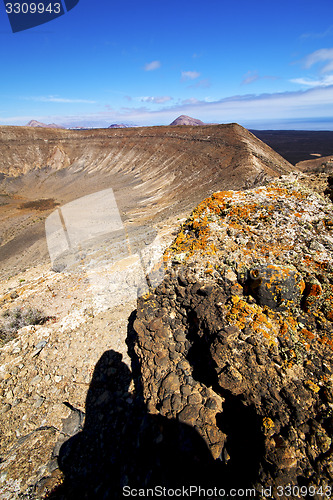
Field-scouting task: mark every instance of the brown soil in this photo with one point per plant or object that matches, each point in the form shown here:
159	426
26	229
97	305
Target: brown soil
39	204
324	164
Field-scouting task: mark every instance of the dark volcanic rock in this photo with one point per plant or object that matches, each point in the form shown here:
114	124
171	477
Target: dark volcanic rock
250	335
329	190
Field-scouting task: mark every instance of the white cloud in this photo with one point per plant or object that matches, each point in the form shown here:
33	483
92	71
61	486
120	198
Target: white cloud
323	82
250	77
320	56
253	76
157	100
191	100
323	34
152	66
189	75
53	98
201	84
300	106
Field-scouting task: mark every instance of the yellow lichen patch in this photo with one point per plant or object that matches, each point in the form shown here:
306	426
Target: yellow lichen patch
288	326
268	423
243	211
329	315
328	308
242	314
326	341
311	385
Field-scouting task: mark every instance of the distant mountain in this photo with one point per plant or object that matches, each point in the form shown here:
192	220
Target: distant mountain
186	120
35	123
119	125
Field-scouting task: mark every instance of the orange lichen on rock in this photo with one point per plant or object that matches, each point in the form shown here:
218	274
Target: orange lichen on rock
268	425
326	341
307	334
242	314
311	385
270	230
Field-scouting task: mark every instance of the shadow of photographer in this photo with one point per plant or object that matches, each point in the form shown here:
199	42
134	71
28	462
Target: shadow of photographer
121	445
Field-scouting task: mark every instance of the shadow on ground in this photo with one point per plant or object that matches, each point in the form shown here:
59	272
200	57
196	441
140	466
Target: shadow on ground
122	445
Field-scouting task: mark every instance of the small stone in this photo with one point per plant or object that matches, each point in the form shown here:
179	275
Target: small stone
176	402
170	383
4	408
35	379
184	367
189	414
230	275
205	290
58	378
214	434
41	344
73	423
180	336
316	246
174	356
161	360
186	390
39	402
211	404
275	286
194	398
166	405
9	394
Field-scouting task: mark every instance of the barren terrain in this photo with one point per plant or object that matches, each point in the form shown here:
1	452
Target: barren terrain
298	145
158	175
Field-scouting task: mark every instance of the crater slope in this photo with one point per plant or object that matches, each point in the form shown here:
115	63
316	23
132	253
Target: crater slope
156	173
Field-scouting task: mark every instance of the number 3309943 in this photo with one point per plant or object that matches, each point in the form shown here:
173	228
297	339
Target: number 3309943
33	8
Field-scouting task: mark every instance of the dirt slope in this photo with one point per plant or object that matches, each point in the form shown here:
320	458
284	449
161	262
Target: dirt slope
324	164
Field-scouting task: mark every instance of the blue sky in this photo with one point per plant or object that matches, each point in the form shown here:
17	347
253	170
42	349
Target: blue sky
262	64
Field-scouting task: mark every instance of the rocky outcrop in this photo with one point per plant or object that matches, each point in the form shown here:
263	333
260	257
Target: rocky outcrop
231	361
237	340
329	189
